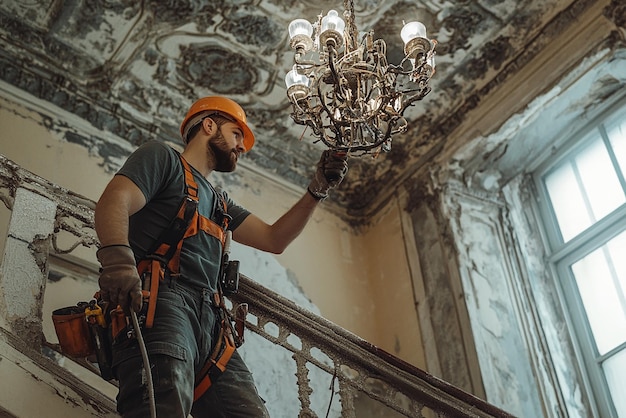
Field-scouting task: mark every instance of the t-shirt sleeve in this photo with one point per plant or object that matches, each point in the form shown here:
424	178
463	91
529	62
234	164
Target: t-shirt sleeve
148	167
238	213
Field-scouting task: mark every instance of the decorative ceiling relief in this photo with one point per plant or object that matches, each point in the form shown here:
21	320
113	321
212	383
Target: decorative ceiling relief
205	66
260	32
132	67
616	12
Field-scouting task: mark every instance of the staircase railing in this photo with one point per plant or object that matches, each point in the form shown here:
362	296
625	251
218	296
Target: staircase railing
359	371
359	367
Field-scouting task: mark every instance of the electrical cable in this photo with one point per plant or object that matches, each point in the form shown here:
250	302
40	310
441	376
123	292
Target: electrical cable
146	363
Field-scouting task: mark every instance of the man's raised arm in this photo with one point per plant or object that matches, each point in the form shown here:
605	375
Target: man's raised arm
331	169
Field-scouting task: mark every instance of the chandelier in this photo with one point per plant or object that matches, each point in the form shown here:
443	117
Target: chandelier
344	89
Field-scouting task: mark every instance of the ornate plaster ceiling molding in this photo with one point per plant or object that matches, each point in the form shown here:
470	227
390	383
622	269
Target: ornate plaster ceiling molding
131	68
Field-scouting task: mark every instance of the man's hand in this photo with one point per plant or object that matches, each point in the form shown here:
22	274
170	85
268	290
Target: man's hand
119	279
331	169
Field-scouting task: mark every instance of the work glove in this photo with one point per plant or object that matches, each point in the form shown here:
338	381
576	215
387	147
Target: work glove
331	169
119	279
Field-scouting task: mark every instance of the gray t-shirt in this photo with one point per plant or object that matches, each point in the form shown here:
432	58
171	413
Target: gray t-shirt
156	169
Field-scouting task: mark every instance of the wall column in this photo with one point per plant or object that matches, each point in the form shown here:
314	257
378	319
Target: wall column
24	268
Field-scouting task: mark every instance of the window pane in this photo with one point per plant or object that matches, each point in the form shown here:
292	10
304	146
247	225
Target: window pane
616	130
615	370
601	281
600	181
584	190
567	201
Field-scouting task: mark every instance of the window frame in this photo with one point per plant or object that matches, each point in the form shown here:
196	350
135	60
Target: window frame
562	255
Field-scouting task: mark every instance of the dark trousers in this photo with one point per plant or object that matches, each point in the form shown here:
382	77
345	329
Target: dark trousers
185	327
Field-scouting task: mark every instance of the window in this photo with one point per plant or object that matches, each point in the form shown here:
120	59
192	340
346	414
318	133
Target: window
583	194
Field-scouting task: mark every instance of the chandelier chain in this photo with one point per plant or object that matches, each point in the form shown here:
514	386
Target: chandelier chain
348	6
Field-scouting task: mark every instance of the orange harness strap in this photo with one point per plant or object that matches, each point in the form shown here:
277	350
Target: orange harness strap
156	275
167	252
167	255
216	365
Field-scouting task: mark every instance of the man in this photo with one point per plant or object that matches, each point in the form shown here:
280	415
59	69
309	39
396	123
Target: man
137	205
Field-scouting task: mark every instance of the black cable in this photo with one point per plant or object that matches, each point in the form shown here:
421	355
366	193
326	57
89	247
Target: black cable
146	363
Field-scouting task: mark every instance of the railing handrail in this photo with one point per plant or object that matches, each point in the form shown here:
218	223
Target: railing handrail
14	176
430	390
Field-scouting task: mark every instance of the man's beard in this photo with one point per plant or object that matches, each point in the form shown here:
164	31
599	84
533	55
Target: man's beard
225	158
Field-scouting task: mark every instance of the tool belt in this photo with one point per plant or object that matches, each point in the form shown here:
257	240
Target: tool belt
83	332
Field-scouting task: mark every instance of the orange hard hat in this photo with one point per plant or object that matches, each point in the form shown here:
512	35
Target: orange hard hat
222	105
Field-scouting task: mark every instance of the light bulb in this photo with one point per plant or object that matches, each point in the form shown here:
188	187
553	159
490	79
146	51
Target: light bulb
413	30
300	27
332	21
397	104
374	104
293	78
371	105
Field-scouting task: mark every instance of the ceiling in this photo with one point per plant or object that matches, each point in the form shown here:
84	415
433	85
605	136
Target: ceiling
131	68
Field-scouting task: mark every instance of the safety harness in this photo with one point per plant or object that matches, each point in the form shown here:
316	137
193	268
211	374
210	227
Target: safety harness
164	260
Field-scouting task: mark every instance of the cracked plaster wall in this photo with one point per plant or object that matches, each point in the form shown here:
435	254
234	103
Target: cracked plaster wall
482	257
24	265
487	272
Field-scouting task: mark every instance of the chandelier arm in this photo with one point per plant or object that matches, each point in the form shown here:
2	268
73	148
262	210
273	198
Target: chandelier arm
366	72
330	143
333	72
387	135
304	64
409	101
298	110
330	116
353	148
316	125
348	55
398	69
381	47
401	128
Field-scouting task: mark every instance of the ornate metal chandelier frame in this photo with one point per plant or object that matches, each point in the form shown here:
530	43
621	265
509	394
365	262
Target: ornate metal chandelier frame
351	97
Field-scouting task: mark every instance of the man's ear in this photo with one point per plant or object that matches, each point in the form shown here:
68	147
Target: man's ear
208	125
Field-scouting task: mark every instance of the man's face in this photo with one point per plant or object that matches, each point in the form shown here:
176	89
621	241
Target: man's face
226	145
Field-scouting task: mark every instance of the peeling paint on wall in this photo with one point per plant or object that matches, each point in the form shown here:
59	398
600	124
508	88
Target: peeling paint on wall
23	272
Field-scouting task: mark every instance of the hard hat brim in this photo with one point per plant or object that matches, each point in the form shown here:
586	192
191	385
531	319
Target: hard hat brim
248	136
